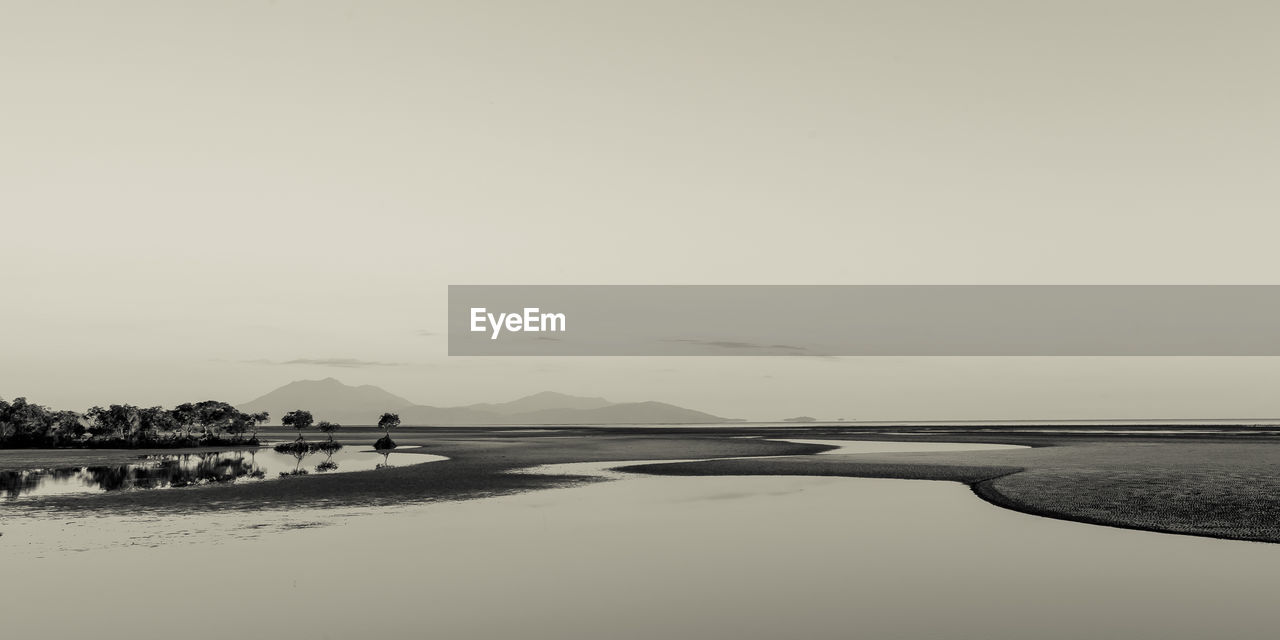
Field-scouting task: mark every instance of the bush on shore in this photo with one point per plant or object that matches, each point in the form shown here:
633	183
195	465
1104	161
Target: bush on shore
209	423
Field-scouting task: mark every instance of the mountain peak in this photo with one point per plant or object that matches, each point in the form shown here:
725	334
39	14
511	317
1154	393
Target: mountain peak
329	399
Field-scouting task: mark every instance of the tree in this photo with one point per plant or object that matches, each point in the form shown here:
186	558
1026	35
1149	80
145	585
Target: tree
214	416
117	420
256	419
24	422
237	424
185	416
154	420
5	425
242	422
9	418
68	425
387	422
298	420
328	427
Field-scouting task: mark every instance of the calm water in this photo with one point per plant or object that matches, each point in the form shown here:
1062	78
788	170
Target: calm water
167	471
867	446
640	558
616	469
1240	426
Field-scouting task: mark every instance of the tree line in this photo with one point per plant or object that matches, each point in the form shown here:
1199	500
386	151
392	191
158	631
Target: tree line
302	420
26	424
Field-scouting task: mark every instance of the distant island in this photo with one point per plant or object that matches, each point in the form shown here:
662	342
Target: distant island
330	399
801	419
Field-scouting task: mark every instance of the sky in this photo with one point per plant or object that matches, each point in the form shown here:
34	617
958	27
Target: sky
214	199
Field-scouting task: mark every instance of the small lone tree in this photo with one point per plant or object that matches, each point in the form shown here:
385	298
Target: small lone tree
298	420
328	428
387	422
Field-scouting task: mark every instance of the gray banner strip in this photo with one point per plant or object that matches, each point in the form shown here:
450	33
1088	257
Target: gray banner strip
861	320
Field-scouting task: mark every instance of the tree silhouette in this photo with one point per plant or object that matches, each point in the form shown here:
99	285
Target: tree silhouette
153	421
214	416
387	422
185	415
117	420
298	420
328	428
26	424
256	419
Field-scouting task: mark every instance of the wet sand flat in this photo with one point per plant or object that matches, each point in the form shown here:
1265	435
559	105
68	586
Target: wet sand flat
1224	486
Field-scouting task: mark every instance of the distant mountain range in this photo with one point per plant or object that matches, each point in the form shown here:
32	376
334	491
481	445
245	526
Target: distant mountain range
330	399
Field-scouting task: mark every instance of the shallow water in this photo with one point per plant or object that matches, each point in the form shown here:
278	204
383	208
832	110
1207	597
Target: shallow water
167	471
1245	425
616	469
872	446
641	558
1130	432
744	557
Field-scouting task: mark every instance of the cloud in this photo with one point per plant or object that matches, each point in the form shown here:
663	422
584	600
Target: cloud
789	351
329	362
730	344
425	333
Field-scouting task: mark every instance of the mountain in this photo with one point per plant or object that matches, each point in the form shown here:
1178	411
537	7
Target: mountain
330	399
621	413
542	401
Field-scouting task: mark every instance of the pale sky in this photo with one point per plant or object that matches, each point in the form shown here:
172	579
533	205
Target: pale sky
213	199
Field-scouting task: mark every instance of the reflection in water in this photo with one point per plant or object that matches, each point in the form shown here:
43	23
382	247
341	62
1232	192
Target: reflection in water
327	465
299	455
189	469
714	558
154	472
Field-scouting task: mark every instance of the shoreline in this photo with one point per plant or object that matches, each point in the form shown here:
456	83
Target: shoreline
985	491
1209	485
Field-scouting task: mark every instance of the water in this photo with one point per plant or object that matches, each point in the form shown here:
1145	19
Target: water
166	471
616	469
868	446
641	558
1243	425
1136	431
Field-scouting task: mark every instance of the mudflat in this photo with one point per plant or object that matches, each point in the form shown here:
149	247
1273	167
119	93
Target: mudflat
1219	484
